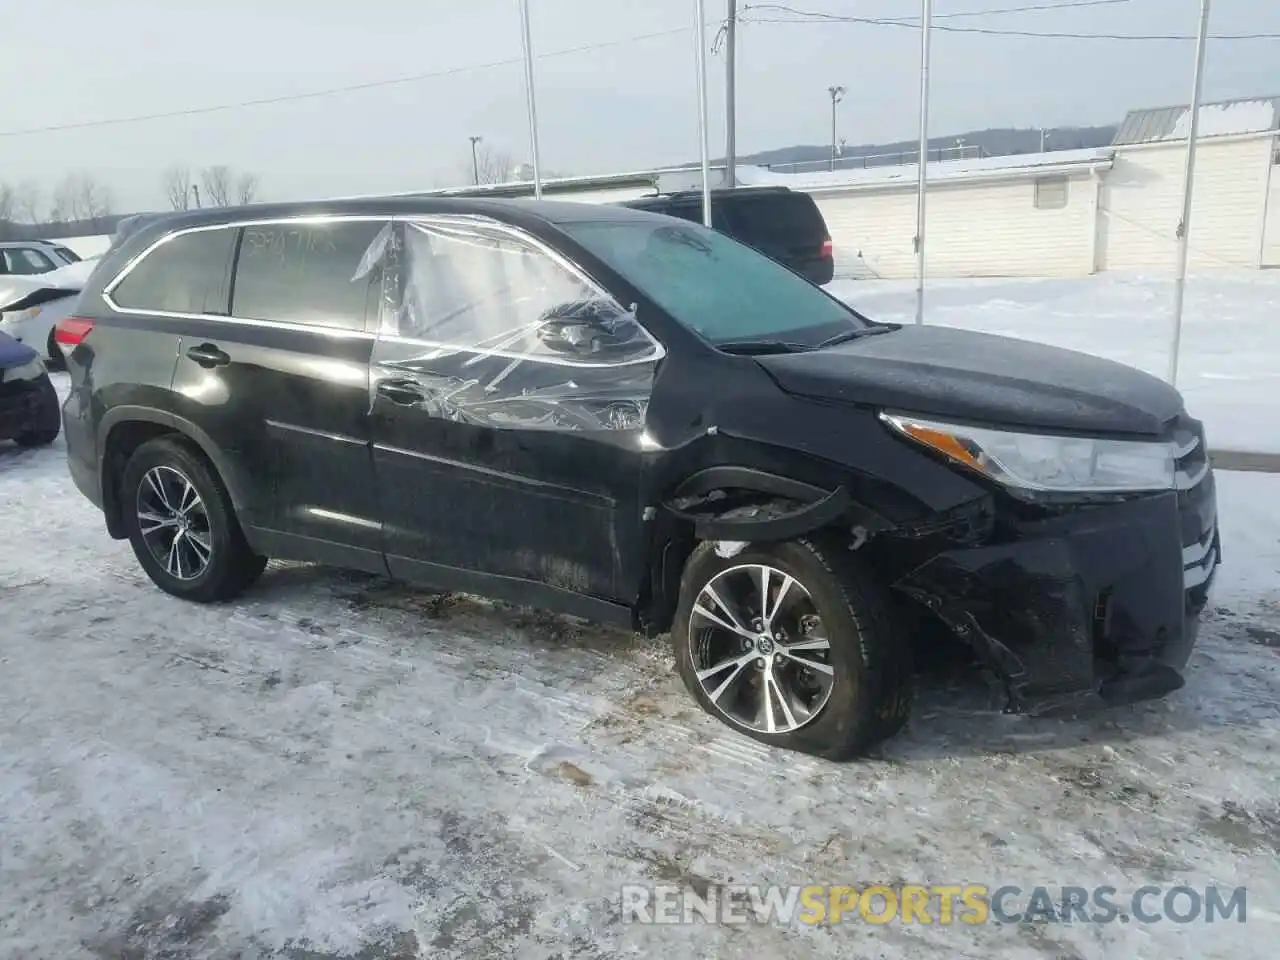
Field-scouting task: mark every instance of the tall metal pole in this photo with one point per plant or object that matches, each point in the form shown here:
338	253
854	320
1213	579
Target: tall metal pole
704	142
1184	225
926	28
475	161
837	94
532	98
731	96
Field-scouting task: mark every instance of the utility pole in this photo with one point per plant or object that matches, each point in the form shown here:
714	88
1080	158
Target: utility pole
731	97
195	191
837	94
926	28
475	161
531	97
704	142
1189	176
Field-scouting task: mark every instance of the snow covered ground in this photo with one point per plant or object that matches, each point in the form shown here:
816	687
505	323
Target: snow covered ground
1230	357
338	767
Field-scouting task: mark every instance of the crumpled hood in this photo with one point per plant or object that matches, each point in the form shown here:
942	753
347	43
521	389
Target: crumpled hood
28	290
14	354
950	373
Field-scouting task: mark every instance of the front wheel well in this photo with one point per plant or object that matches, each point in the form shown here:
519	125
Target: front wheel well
676	534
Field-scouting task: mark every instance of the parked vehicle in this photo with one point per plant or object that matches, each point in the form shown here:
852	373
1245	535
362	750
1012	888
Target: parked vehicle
780	223
628	417
22	258
31	306
29	410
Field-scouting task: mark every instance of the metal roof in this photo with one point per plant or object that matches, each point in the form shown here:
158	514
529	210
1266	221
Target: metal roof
1220	119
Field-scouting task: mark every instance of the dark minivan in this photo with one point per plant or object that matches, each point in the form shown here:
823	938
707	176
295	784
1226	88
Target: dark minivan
780	223
633	418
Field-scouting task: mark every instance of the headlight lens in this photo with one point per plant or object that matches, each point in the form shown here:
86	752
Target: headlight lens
1048	464
28	371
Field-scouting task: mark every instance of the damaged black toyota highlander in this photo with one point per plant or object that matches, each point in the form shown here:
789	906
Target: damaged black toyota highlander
623	416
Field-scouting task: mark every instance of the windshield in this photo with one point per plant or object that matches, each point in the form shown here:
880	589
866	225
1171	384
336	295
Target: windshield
724	290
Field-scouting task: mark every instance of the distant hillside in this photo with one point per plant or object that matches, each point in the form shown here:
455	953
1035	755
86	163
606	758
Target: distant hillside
995	142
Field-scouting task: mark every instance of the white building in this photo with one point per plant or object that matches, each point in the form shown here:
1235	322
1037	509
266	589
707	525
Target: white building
1029	215
1235	212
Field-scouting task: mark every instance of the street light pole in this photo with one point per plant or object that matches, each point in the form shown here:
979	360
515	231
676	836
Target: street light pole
704	142
926	28
837	94
1184	225
532	99
731	96
475	161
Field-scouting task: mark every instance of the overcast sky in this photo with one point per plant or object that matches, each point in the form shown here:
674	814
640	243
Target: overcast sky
627	106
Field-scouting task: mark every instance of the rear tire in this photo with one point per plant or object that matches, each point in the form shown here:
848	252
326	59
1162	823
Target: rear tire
56	360
836	701
182	525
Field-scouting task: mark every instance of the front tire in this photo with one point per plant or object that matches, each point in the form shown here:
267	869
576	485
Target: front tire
793	644
182	526
46	419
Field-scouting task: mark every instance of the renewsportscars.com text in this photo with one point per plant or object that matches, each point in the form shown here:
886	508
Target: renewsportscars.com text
942	904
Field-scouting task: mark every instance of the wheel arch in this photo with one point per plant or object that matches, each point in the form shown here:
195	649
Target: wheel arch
125	428
733	502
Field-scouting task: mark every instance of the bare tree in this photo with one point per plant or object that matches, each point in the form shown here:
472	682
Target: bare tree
26	202
215	184
8	201
81	196
491	166
177	187
247	188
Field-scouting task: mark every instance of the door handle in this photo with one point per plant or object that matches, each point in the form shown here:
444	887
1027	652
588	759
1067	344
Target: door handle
208	355
404	392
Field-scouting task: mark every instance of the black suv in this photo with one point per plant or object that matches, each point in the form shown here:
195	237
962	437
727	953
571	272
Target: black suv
632	418
778	222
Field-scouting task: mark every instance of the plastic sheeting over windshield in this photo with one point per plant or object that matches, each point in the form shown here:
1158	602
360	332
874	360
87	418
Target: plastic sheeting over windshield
497	329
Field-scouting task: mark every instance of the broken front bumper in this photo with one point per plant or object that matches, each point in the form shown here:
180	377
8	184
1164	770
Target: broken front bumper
1101	603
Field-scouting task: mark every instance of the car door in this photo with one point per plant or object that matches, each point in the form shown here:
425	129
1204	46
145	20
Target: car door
509	397
282	384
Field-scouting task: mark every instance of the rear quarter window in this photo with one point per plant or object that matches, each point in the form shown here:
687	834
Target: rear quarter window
185	274
790	217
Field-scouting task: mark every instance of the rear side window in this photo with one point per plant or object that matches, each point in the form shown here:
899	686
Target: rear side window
790	217
185	274
25	261
315	274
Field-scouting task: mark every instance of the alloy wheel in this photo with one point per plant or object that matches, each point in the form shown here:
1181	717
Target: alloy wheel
174	523
759	649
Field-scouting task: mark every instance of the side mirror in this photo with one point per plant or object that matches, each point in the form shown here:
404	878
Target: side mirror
585	327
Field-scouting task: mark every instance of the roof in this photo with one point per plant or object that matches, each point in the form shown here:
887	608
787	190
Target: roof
983	168
1220	119
517	211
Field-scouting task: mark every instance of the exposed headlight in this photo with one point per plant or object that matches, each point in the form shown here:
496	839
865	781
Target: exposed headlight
28	371
1048	464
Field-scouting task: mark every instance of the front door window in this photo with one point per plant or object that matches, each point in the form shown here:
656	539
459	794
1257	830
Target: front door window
503	332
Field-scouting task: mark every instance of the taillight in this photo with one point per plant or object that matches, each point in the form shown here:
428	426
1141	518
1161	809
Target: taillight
827	250
70	331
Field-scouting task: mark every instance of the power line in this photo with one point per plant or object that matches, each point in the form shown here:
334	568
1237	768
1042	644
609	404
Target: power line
811	16
334	91
1031	8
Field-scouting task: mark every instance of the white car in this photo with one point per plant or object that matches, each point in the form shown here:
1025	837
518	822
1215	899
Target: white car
31	305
